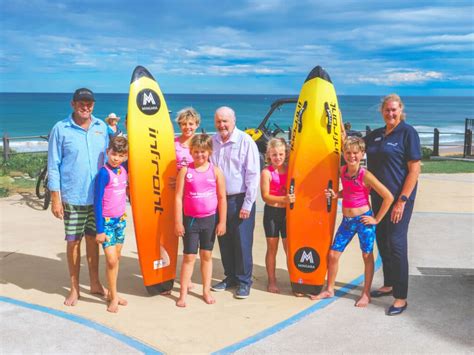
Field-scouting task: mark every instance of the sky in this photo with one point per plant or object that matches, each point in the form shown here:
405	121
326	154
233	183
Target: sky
238	47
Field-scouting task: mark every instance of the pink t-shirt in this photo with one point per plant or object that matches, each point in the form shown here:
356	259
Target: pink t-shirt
355	193
115	194
277	182
200	192
183	156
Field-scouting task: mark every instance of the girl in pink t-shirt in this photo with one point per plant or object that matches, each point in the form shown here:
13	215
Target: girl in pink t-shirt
273	188
200	194
357	216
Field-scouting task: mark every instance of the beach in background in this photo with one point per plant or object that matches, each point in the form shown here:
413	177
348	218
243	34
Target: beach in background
33	114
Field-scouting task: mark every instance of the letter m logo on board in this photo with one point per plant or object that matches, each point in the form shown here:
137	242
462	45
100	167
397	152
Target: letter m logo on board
307	257
148	99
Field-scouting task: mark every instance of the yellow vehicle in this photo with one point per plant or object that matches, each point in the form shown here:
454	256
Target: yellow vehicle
264	132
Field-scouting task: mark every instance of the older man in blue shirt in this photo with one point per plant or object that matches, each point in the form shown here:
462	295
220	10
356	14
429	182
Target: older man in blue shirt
237	155
76	151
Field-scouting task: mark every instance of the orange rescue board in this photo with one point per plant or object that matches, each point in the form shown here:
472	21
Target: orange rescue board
151	164
315	150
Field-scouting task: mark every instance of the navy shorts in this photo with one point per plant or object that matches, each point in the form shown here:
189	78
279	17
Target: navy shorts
199	233
274	221
349	227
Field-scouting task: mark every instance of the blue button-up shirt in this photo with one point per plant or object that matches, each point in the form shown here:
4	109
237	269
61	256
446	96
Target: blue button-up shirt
238	159
74	158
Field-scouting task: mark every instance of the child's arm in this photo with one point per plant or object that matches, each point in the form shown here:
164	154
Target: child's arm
371	181
178	204
101	181
221	202
265	179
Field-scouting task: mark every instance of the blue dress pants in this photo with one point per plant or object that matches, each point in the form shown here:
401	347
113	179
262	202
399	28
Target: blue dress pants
392	242
236	245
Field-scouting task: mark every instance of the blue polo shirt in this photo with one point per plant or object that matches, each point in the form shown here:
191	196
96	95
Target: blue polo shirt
388	156
74	158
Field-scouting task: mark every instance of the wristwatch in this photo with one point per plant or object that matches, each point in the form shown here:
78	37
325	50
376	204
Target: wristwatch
403	198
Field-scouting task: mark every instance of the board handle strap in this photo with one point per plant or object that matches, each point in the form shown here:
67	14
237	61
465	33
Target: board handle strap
300	116
292	191
329	116
329	199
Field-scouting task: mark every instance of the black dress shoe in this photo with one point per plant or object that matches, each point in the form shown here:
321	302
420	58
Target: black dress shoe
395	311
377	293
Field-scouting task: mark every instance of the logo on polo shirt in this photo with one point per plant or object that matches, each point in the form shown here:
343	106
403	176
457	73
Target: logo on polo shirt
148	102
392	144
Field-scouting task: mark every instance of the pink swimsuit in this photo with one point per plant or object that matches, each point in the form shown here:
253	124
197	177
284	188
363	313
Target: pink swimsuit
278	182
355	193
200	192
183	156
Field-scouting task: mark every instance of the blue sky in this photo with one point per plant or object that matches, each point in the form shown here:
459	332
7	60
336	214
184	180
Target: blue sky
255	46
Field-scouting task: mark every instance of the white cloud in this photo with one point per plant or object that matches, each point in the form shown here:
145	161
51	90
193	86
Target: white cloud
392	78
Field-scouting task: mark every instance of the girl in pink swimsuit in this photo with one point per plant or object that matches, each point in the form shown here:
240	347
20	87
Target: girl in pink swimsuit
200	198
273	188
357	216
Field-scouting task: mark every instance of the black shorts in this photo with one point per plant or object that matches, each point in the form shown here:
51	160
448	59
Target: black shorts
274	221
199	233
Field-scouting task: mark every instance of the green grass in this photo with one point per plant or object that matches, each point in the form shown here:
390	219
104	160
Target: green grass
446	167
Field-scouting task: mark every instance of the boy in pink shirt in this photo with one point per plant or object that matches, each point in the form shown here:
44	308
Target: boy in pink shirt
109	207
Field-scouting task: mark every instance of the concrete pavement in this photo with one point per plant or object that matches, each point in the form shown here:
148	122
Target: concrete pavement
439	318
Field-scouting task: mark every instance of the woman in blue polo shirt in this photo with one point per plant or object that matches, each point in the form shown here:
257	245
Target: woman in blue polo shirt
393	156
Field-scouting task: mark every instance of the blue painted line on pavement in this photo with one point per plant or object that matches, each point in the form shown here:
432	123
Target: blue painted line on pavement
85	322
297	317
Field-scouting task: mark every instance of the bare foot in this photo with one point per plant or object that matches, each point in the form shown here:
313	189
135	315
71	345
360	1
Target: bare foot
165	293
181	302
99	290
113	306
208	298
72	298
363	301
273	288
324	294
121	301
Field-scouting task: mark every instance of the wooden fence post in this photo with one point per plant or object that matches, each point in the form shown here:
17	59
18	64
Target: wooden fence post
6	147
435	143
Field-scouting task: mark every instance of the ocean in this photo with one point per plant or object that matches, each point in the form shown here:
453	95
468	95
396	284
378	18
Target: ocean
33	114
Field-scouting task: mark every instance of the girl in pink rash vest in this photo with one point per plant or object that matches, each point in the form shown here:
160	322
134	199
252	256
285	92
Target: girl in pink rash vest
273	188
188	120
357	216
200	197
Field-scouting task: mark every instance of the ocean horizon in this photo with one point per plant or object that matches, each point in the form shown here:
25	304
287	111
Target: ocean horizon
34	114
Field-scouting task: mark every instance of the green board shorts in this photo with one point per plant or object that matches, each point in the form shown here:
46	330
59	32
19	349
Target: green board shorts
78	221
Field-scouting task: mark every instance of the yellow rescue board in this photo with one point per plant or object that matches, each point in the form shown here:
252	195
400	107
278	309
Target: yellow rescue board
313	166
151	164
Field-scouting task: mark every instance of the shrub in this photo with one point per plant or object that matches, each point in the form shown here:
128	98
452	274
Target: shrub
426	153
29	163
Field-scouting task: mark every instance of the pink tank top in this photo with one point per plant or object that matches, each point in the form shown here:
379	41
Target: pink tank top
200	192
115	194
355	193
183	156
277	182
